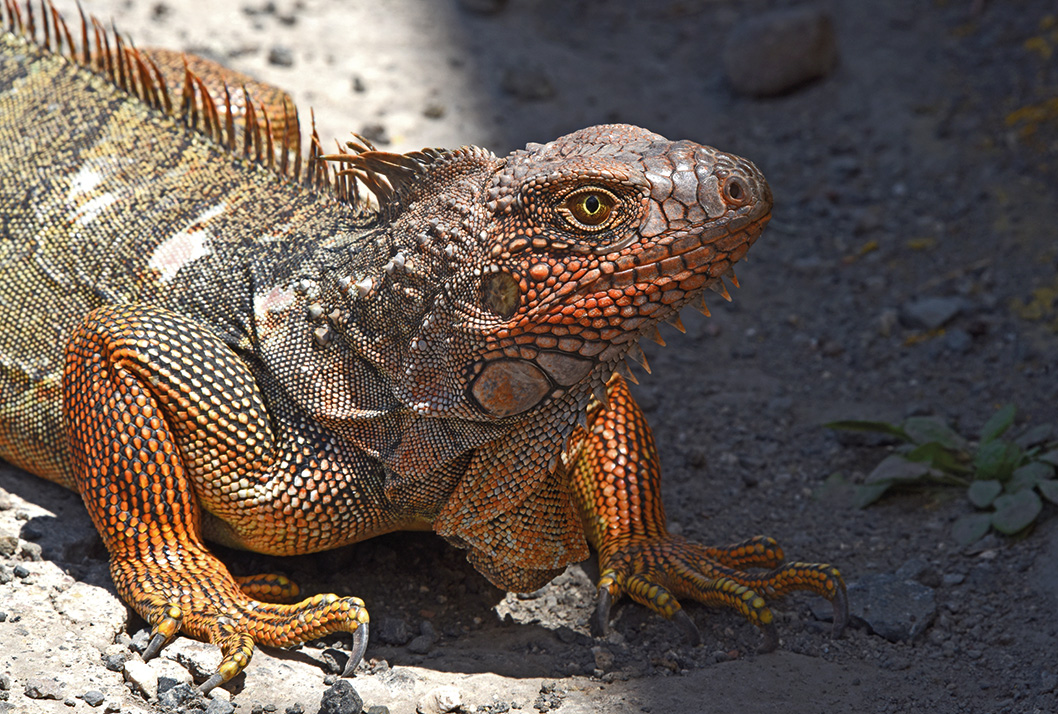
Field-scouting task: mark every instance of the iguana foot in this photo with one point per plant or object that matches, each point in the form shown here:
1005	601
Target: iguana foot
216	609
653	572
617	481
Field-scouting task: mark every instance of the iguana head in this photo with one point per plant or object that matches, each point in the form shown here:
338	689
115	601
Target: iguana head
549	264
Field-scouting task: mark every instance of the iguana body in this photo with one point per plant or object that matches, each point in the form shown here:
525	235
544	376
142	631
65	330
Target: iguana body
207	341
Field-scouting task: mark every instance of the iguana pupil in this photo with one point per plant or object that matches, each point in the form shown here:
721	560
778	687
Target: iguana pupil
591	208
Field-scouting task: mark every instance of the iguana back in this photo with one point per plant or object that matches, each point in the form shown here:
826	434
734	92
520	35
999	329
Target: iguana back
119	202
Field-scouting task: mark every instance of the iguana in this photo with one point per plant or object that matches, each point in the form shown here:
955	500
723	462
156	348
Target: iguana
212	337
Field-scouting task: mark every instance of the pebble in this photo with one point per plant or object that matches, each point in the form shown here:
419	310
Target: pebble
5	681
931	313
31	552
43	689
440	700
142	676
952	579
776	52
341	699
220	706
21	571
5	575
390	631
115	657
8	545
426	640
281	56
893	607
93	697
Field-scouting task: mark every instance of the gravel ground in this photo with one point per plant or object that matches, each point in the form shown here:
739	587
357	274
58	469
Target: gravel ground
911	269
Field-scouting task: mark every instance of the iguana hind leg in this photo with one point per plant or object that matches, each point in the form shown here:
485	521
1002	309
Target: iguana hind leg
616	478
149	398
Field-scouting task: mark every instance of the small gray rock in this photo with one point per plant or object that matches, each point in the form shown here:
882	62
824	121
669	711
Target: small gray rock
221	706
31	552
893	607
281	56
952	579
421	644
5	681
43	689
778	51
21	571
932	312
341	699
390	631
93	697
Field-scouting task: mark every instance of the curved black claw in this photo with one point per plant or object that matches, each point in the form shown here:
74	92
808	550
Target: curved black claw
600	621
841	612
690	630
158	641
360	637
210	684
771	638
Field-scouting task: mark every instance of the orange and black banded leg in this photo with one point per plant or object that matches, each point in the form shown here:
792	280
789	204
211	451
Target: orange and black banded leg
160	415
616	477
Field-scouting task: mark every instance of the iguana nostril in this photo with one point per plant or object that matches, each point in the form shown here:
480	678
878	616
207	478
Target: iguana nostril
734	190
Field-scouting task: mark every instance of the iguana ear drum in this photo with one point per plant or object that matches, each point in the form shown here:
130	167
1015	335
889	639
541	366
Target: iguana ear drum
510	386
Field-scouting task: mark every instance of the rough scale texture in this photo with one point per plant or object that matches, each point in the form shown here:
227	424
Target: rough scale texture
208	342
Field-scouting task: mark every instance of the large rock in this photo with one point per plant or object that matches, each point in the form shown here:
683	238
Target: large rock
778	51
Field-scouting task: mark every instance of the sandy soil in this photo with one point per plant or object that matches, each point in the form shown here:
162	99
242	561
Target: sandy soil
908	173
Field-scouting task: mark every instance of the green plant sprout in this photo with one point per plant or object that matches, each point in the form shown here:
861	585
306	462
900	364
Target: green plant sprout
1004	478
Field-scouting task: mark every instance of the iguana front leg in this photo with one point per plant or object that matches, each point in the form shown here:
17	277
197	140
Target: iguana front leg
151	399
616	478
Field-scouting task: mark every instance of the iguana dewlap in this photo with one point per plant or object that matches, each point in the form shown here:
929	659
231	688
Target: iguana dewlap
210	336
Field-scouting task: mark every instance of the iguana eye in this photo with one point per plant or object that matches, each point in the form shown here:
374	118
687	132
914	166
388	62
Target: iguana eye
589	208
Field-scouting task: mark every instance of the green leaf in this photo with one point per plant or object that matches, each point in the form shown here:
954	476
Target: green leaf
1016	511
1035	436
938	456
1029	475
971	528
982	493
897	468
923	430
998	423
1049	489
1050	457
996	460
866	495
880	427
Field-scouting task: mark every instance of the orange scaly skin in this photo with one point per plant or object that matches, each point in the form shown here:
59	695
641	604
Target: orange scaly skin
619	498
210	343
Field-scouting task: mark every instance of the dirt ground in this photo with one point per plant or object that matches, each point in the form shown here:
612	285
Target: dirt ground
923	167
